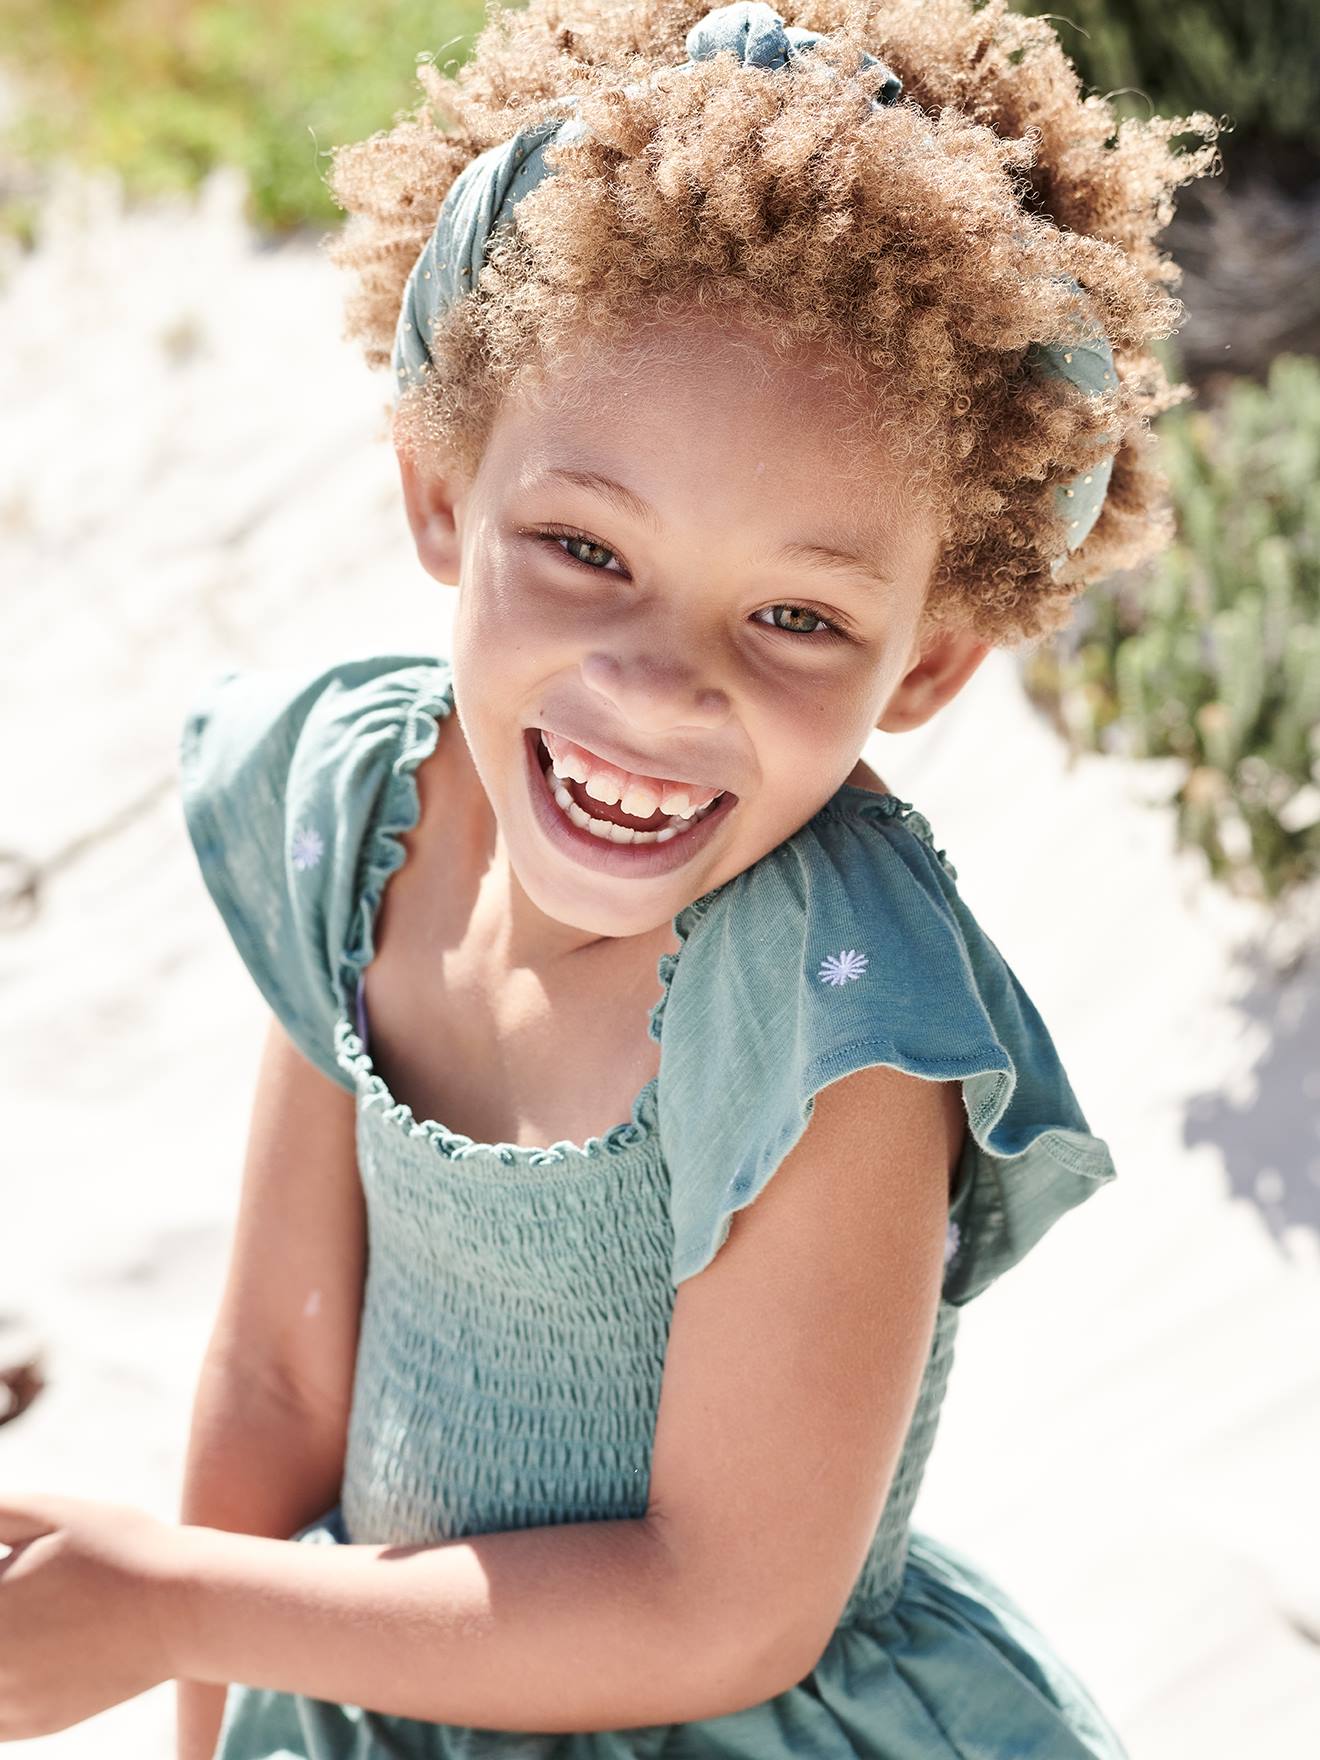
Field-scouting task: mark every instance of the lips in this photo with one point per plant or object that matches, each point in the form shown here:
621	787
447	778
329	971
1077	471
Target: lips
630	860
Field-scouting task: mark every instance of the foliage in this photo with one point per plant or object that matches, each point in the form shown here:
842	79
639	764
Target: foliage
1212	655
1254	63
161	91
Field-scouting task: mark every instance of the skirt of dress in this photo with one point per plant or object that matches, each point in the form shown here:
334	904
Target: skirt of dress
953	1671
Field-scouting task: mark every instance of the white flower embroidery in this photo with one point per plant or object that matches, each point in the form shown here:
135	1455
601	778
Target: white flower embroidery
841	967
951	1240
306	848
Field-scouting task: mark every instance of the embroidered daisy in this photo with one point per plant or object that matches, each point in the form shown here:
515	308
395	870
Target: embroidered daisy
841	968
951	1240
306	847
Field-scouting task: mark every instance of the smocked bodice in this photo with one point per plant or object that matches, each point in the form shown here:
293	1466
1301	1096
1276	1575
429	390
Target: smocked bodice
513	1335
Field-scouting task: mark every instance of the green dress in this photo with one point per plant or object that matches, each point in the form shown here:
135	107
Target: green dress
517	1300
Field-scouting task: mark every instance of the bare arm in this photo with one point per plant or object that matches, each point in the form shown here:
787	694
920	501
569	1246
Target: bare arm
255	1465
270	1414
792	1371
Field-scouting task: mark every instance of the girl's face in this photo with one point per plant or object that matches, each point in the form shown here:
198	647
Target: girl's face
684	572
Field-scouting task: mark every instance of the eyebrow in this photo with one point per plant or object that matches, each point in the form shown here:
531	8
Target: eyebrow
797	550
623	498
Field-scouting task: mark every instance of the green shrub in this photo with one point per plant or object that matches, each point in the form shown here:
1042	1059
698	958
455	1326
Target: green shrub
161	91
1255	63
1212	656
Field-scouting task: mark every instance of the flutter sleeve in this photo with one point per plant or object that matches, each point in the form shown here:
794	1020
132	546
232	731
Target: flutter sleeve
282	776
849	945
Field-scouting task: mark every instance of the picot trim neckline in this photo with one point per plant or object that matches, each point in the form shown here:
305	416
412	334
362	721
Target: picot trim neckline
398	814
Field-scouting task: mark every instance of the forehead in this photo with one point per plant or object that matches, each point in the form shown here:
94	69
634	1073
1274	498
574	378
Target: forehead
707	406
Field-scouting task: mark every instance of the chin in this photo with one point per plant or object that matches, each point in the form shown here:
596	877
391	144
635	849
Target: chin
610	918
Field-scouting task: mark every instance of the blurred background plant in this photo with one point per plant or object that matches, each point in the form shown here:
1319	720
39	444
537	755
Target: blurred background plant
1208	658
1258	61
1248	242
1212	655
163	91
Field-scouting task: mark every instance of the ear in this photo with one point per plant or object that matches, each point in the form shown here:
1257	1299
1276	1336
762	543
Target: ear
944	661
431	497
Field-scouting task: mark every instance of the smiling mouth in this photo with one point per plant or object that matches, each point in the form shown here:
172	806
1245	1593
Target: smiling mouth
606	819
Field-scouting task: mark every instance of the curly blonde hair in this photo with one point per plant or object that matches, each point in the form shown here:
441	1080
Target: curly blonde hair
924	247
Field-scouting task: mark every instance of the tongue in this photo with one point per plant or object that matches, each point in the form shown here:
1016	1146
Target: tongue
615	814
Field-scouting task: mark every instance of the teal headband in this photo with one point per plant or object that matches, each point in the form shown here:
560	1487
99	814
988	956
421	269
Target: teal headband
487	190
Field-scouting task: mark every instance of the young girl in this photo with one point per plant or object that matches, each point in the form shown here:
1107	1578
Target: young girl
752	381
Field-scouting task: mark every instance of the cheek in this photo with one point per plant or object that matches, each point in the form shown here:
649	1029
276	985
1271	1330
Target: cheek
805	752
818	713
501	612
810	737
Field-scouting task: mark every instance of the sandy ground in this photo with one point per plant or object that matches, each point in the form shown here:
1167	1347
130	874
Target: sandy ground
190	477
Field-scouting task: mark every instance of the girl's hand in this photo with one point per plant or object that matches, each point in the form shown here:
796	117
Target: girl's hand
79	1612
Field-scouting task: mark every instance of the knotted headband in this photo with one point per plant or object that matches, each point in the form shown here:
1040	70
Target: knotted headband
485	193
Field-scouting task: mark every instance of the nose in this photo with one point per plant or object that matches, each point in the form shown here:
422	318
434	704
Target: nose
655	695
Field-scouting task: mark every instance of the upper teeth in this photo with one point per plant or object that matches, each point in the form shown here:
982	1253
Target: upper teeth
639	795
622	833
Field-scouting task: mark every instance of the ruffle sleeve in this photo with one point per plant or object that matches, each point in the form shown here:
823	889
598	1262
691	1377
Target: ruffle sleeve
283	778
849	945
